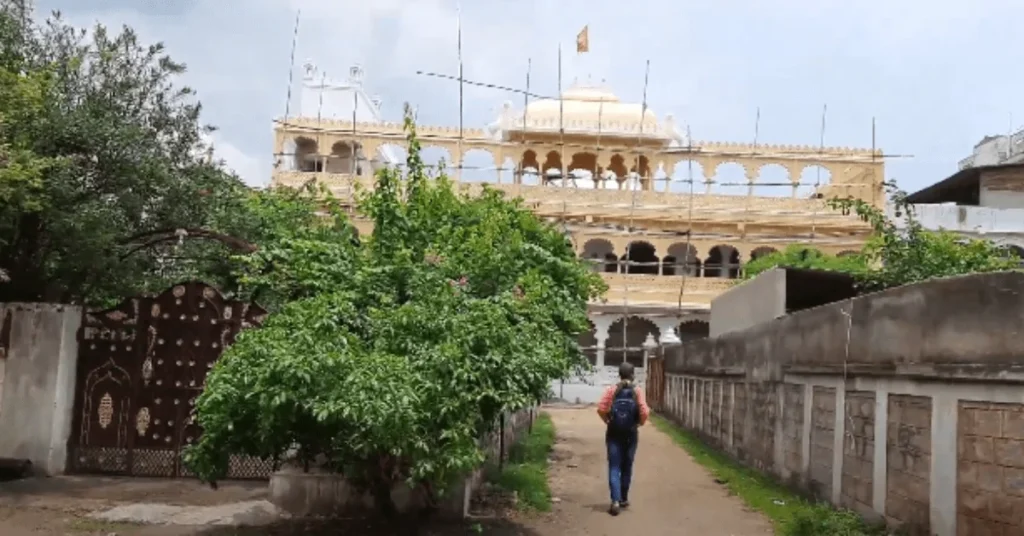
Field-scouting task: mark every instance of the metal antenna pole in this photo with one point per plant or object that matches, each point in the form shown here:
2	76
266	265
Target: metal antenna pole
291	65
561	124
632	210
526	106
458	169
817	170
689	229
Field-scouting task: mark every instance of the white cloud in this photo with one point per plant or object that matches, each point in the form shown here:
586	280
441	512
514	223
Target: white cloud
252	169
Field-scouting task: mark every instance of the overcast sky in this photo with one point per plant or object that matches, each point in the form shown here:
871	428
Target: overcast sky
937	75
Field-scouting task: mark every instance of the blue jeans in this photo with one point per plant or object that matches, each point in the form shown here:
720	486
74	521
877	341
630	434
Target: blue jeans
621	451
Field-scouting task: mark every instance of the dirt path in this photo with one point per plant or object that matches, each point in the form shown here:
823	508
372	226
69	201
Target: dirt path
670	495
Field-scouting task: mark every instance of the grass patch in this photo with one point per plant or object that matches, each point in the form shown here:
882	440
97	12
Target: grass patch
91	526
526	472
791	514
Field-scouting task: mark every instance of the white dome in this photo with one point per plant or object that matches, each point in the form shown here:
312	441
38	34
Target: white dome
586	110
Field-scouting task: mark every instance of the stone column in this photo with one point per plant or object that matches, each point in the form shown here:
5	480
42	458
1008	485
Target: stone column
649	346
665	323
602	323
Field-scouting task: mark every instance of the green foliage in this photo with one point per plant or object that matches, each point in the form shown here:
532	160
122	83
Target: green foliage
102	159
900	255
526	472
900	251
390	356
799	256
823	520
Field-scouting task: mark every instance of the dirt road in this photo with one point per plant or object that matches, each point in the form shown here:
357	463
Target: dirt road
671	495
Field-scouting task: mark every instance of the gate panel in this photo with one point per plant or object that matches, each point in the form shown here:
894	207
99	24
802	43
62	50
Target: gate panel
141	367
104	390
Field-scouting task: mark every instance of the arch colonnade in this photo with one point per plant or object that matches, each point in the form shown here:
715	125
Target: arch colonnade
775	170
679	258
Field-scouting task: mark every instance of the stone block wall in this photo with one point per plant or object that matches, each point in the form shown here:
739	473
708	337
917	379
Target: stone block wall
792	430
990	463
858	451
822	441
908	460
905	406
870	446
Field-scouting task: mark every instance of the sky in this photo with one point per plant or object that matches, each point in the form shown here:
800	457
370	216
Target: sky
935	75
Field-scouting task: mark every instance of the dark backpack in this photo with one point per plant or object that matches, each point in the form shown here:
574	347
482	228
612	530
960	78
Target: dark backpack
625	412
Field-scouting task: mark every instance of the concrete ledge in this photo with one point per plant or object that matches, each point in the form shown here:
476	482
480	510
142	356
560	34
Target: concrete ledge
323	494
319	493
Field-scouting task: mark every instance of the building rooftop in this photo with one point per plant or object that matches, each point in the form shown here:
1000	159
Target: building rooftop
962	187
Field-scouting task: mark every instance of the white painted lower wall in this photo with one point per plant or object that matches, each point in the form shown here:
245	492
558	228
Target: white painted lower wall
588	389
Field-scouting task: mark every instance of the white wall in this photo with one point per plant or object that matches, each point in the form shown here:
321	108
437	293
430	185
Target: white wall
1001	199
969	219
38	383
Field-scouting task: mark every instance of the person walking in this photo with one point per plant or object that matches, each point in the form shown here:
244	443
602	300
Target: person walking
623	408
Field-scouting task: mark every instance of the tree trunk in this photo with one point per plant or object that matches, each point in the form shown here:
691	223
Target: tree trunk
381	490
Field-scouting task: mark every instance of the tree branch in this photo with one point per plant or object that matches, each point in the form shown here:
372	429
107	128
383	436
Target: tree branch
158	236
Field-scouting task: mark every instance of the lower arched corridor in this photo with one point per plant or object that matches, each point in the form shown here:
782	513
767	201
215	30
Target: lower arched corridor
722	262
626	339
600	253
681	259
640	258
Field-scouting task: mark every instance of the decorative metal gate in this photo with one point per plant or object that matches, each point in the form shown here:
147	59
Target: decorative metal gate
141	366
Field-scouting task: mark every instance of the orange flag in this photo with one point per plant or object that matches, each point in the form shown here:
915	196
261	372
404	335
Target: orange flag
583	40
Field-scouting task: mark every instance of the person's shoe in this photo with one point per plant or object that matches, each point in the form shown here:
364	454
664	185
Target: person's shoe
614	509
624	505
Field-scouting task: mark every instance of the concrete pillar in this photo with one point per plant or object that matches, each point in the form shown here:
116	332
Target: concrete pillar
38	390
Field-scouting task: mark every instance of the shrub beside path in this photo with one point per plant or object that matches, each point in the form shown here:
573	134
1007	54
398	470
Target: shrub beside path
671	494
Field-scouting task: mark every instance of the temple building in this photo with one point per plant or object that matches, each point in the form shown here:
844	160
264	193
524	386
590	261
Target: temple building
668	221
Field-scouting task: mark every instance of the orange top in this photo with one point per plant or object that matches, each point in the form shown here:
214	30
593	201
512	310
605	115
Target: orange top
604	406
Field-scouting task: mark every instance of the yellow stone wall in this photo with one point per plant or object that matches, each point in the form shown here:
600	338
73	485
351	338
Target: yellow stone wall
609	219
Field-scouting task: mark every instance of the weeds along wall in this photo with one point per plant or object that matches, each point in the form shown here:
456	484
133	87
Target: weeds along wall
906	405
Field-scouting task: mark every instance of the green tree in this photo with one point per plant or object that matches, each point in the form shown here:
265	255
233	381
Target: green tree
102	161
389	357
799	256
903	254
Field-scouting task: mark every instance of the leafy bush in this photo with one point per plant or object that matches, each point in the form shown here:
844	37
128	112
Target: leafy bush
800	256
900	255
895	254
389	358
102	160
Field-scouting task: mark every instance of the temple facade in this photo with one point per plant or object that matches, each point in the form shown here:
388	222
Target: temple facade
668	221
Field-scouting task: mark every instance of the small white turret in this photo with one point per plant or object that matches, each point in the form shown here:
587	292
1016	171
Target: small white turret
355	75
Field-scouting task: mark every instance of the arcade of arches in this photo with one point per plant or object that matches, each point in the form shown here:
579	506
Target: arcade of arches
640	257
613	339
602	169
